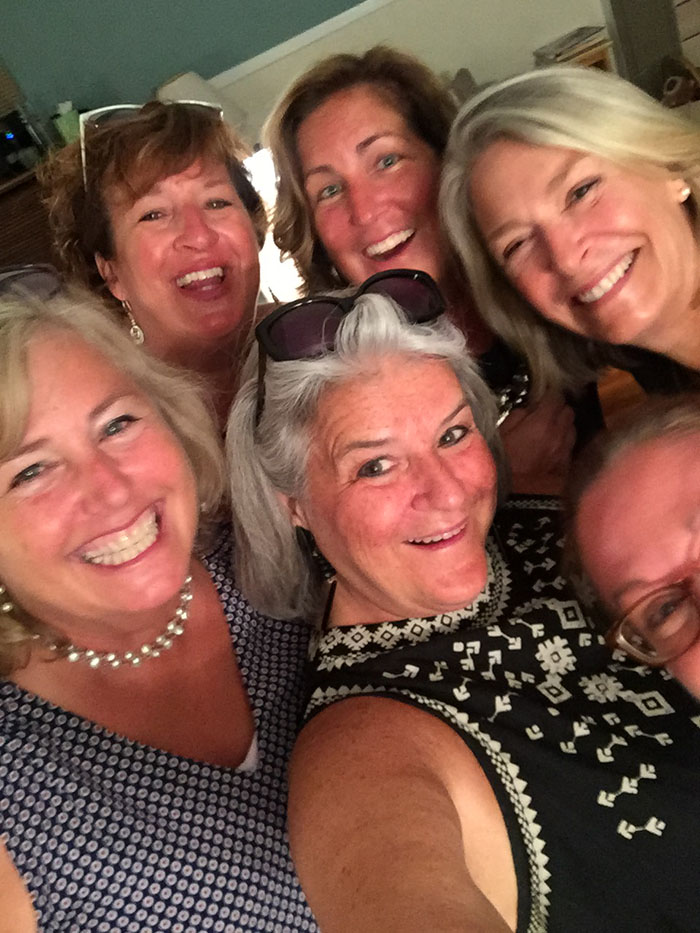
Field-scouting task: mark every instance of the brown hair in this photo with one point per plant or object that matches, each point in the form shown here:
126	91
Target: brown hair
132	154
410	86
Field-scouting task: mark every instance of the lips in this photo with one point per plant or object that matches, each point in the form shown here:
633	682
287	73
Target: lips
201	278
608	281
124	545
440	537
389	244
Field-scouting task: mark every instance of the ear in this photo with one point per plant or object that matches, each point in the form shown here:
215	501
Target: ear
294	509
680	189
108	270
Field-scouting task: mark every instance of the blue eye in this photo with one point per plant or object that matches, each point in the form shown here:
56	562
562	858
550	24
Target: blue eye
328	191
580	191
389	160
377	467
27	474
454	435
118	425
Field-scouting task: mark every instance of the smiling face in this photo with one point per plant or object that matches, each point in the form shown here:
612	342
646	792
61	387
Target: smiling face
601	250
400	492
638	529
372	186
186	260
98	505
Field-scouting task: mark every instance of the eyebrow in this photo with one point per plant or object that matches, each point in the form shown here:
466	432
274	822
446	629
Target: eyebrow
382	441
93	415
554	182
360	148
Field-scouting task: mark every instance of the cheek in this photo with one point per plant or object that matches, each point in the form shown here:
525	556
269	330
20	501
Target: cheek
332	228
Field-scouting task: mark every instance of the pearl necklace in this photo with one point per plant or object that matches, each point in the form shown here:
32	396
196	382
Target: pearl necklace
151	649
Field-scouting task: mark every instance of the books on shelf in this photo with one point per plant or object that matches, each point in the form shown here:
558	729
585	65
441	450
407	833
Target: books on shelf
571	44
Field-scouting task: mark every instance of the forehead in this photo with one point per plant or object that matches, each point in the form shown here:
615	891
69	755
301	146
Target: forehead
361	109
396	393
201	173
636	509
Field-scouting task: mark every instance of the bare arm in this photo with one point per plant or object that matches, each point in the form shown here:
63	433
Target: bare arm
16	911
538	440
394	826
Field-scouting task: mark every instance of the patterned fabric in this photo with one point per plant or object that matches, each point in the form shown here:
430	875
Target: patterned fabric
112	835
594	761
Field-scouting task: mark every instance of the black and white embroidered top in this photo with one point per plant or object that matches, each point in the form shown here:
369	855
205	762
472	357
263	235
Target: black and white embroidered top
110	835
595	761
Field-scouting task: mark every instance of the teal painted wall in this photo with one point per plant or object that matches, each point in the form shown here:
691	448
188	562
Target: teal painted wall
99	52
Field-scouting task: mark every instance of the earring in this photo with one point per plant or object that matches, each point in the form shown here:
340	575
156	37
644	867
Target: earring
685	193
318	564
135	331
6	605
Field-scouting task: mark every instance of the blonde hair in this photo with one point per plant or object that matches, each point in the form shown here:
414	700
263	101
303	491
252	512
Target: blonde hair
131	155
409	86
179	400
576	108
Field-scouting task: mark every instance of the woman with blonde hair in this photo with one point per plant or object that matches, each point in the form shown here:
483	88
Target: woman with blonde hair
572	200
146	710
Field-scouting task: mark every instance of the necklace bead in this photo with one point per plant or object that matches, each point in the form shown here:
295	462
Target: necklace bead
150	649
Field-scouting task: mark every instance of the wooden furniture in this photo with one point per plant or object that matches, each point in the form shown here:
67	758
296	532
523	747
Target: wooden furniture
24	227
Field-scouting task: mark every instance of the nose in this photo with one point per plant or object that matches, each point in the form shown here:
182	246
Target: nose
103	484
363	202
195	229
564	247
439	487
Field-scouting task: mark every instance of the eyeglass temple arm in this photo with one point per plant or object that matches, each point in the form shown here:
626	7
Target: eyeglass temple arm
260	400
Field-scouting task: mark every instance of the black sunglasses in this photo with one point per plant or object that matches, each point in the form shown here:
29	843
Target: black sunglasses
39	280
307	327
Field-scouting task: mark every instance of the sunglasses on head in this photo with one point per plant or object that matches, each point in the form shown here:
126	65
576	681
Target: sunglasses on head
39	280
96	119
307	327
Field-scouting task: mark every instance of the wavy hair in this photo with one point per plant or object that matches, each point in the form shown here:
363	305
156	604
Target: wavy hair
131	155
271	458
178	398
408	85
566	106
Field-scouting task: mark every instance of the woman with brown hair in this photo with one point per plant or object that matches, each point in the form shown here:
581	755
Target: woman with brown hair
153	208
358	141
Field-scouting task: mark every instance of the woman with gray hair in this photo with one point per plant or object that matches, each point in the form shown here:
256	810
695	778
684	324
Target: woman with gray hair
459	702
571	197
146	710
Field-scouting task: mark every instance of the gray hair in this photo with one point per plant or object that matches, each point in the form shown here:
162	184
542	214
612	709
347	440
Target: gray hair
672	417
271	458
576	108
179	400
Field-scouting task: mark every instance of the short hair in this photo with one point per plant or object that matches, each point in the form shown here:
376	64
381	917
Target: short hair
131	155
271	458
176	395
577	108
658	418
407	84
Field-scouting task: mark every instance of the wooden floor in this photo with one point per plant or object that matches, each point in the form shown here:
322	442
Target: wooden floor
618	392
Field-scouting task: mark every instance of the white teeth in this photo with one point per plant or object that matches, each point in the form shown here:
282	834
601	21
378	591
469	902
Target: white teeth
389	243
604	286
200	276
127	544
433	540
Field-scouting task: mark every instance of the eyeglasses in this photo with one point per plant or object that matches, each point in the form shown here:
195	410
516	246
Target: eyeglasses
39	280
307	327
96	119
660	626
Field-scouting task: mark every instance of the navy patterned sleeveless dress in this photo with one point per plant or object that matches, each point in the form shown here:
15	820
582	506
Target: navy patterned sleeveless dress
110	835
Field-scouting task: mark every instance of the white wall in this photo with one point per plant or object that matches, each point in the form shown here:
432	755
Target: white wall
493	38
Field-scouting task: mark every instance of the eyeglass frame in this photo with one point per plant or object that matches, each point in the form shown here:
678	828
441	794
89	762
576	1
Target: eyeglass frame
85	118
614	637
345	303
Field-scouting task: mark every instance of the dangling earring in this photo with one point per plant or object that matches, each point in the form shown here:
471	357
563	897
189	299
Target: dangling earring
6	605
318	564
135	331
